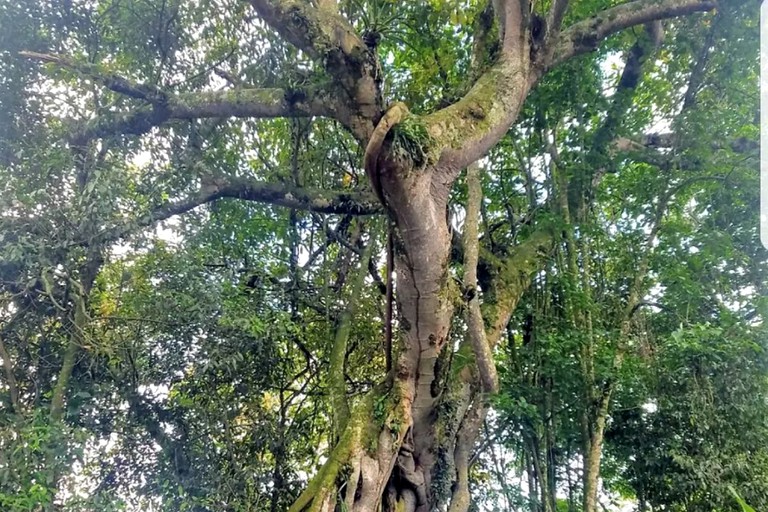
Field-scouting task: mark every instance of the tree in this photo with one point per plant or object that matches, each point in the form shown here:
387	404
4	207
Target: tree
186	86
654	226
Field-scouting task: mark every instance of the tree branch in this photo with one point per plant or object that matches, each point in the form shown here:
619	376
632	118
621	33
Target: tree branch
7	362
138	122
243	103
630	79
321	33
555	19
700	65
481	41
513	276
267	103
10	378
638	55
645	149
328	38
338	357
466	130
511	20
475	326
300	198
466	437
238	102
584	36
671	140
111	81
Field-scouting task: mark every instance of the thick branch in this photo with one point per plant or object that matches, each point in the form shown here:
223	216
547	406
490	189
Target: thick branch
513	276
336	371
258	103
631	76
555	19
10	378
482	41
646	149
299	198
267	103
475	327
585	35
511	20
465	440
138	122
327	37
670	140
638	55
78	325
238	102
321	33
466	130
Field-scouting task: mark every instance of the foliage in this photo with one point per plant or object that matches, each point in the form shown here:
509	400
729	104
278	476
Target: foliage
165	341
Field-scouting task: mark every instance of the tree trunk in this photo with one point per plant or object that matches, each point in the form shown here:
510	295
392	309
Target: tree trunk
392	453
592	456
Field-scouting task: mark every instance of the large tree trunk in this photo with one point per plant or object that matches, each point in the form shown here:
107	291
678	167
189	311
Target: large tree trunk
391	456
426	309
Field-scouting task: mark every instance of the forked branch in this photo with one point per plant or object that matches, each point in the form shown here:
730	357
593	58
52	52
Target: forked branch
466	130
555	18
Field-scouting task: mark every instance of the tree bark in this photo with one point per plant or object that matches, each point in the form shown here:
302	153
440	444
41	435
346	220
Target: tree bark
592	456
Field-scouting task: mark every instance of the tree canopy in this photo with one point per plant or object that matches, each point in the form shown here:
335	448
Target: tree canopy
366	255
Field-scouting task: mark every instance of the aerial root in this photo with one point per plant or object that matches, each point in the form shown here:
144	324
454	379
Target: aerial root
351	484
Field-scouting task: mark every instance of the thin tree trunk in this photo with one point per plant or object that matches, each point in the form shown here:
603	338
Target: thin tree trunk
10	378
592	468
550	498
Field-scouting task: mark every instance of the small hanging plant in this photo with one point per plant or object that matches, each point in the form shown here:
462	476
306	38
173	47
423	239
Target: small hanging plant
378	19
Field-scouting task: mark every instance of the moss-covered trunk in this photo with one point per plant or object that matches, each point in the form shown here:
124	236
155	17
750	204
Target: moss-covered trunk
386	455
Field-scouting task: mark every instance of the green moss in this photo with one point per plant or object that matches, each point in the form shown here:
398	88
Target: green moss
397	418
358	434
461	359
380	408
482	109
443	476
447	425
